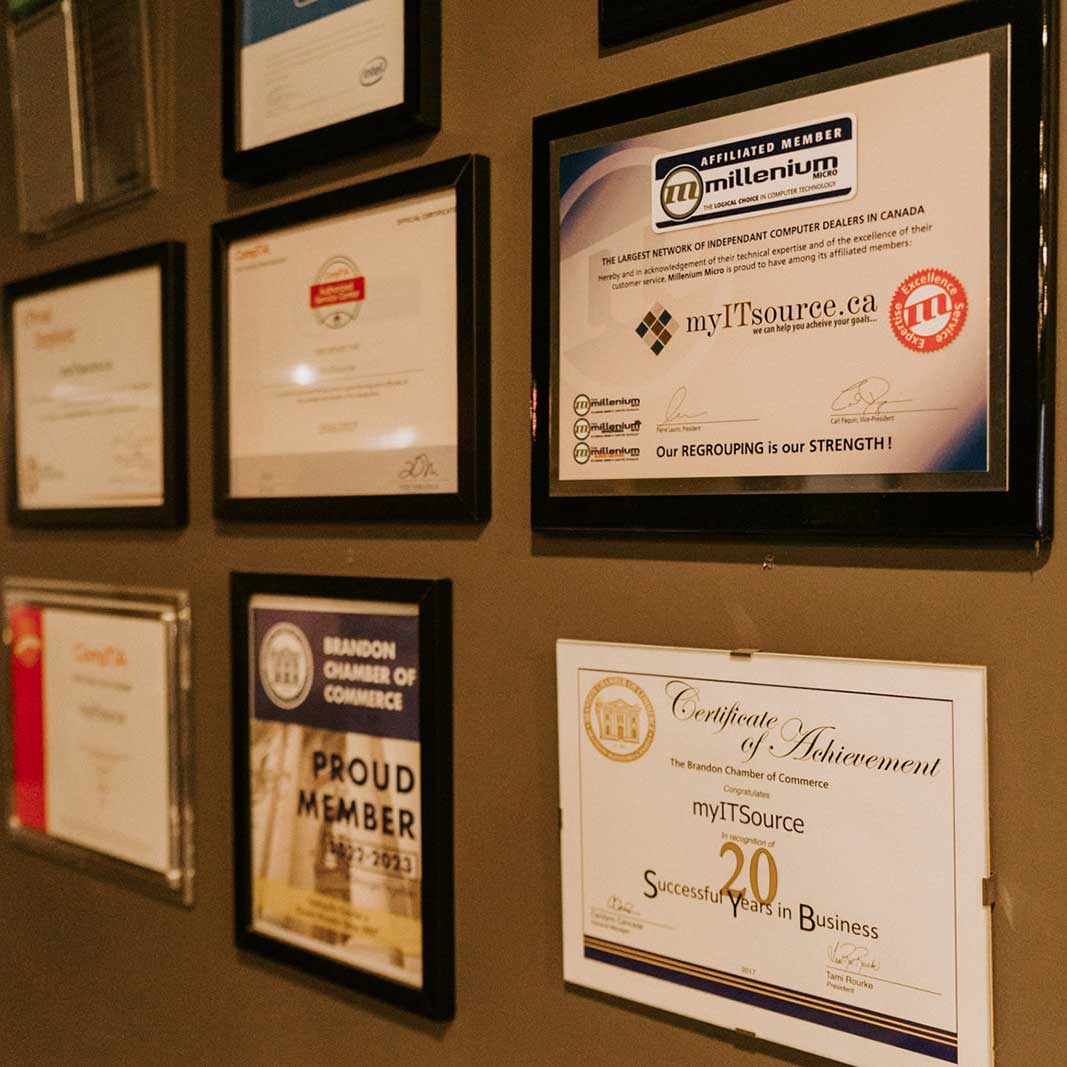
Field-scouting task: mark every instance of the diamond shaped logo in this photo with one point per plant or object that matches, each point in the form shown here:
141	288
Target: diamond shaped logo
654	329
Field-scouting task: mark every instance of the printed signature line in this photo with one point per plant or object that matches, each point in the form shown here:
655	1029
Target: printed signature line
888	981
345	379
892	411
629	915
701	422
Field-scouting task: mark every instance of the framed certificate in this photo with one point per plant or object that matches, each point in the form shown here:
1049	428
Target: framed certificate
98	730
626	20
307	81
793	847
342	692
756	313
352	352
95	360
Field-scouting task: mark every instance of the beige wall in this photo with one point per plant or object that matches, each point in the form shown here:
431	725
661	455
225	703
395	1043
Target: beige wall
91	973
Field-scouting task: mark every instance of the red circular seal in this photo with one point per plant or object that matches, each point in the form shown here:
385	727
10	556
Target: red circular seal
928	310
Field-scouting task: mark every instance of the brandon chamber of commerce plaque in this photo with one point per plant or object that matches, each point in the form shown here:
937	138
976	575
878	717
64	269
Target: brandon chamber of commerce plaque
795	847
343	787
777	297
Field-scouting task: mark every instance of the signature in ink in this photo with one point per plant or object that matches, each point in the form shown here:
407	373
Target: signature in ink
674	409
852	957
868	394
421	466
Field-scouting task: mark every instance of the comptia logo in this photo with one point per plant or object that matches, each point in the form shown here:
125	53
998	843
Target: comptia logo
251	252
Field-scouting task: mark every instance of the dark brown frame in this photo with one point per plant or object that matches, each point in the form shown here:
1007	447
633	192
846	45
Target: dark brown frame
469	177
419	113
1023	511
623	21
173	512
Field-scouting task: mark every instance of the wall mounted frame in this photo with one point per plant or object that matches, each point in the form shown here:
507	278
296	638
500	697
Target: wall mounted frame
701	305
623	21
380	59
95	367
98	727
342	697
352	352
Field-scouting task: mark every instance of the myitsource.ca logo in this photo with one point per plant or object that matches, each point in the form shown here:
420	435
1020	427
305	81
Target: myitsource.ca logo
652	329
619	719
286	665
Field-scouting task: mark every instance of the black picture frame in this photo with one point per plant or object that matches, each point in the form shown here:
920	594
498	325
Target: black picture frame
623	21
419	113
433	599
468	176
1022	512
169	256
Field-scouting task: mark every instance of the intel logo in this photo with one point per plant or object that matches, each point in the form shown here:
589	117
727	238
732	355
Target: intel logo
374	71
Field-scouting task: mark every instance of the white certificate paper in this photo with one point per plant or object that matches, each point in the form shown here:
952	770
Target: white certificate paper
804	285
88	373
343	354
792	846
306	64
92	712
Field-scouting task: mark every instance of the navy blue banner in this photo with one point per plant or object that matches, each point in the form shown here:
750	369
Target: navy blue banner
267	18
335	670
916	1037
753	149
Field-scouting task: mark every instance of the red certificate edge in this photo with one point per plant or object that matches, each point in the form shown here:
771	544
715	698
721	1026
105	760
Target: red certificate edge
27	704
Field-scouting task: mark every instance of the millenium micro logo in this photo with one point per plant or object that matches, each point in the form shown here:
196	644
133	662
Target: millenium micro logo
619	719
681	192
286	666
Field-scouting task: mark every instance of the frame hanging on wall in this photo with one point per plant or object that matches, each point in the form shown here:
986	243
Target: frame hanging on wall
95	361
622	21
342	696
308	82
755	312
352	352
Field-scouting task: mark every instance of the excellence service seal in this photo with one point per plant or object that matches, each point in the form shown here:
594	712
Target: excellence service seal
928	310
619	719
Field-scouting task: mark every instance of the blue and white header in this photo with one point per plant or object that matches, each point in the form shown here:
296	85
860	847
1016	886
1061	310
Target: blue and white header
776	170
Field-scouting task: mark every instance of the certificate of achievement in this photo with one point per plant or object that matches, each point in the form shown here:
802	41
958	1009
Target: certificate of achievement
97	727
342	355
89	393
790	846
805	289
341	821
96	367
306	64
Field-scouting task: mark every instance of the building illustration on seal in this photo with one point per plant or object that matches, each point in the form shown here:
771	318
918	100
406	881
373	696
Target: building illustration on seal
286	668
619	721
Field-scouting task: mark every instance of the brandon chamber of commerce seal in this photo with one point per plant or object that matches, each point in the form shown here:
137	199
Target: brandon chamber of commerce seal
619	719
286	665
